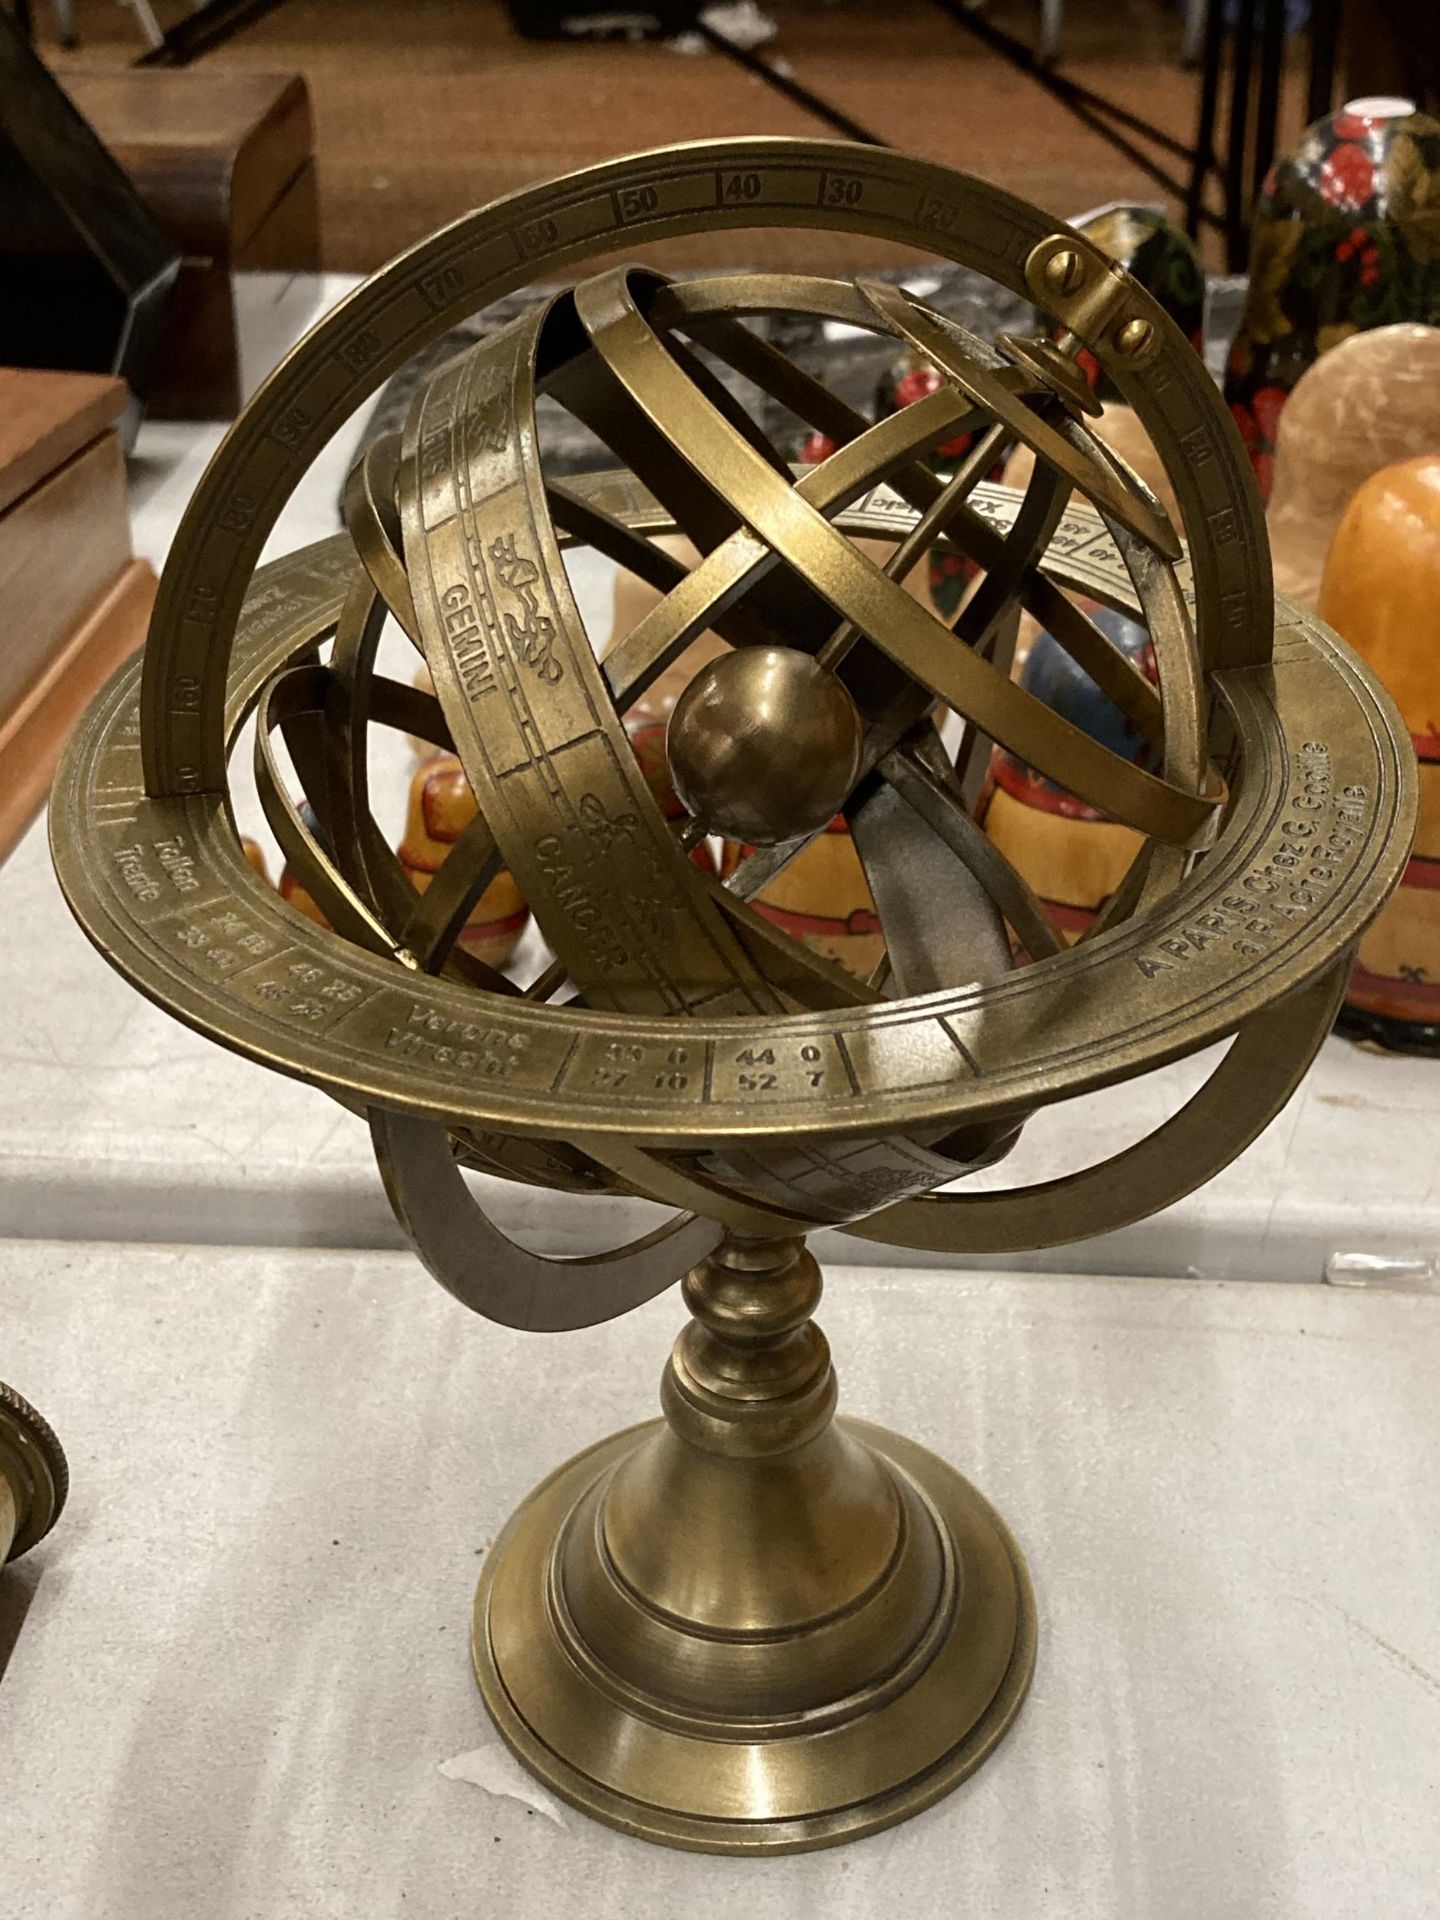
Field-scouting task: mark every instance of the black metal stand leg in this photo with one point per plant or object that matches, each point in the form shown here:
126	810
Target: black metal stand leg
206	27
1236	139
1267	107
1324	36
1203	162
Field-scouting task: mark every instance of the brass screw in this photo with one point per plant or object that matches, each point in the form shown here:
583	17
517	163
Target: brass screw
1134	337
1064	271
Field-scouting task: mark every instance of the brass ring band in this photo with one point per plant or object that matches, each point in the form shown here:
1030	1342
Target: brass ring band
646	197
1317	750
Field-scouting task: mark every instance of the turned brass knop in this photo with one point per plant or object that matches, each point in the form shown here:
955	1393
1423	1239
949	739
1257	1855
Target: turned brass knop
751	1373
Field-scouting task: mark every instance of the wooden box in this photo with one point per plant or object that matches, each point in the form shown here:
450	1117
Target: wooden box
86	270
76	602
224	160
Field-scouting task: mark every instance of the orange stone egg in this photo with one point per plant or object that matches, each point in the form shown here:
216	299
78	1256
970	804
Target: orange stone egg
1381	592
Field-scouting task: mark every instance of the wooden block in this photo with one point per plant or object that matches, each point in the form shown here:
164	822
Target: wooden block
200	377
85	268
211	151
62	546
224	161
287	240
46	417
75	601
203	377
35	730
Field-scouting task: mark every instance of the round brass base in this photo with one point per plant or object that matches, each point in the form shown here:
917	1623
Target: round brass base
787	1782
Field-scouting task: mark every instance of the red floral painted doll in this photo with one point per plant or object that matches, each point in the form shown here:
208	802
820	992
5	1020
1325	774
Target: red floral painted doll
1346	237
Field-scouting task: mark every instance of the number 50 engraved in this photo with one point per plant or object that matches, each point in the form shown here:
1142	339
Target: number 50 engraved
633	203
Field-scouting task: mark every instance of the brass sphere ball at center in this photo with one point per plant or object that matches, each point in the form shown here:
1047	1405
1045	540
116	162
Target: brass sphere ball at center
764	745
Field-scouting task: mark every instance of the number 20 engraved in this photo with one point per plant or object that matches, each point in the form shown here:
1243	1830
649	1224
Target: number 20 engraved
942	215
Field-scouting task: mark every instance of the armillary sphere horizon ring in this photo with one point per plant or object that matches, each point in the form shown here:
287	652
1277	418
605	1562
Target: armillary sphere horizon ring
1315	828
922	1062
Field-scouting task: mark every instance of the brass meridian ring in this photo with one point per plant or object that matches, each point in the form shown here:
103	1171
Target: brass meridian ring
678	190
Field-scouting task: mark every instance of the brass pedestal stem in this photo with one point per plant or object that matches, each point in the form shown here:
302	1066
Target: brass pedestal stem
749	1627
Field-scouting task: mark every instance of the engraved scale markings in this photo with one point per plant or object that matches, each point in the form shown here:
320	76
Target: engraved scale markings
746	189
565	1064
610	824
966	1053
1081	1064
992	236
681	194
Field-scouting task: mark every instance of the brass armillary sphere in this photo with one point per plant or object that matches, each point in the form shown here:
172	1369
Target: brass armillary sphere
748	1626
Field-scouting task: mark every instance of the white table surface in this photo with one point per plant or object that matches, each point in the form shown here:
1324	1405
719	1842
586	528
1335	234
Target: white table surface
117	1123
243	1654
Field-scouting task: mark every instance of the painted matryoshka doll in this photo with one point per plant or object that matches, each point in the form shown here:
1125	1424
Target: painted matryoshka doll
1345	237
822	899
1381	592
1070	855
441	806
289	886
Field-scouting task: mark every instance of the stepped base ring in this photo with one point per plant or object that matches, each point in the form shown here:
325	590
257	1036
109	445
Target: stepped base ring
788	1792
